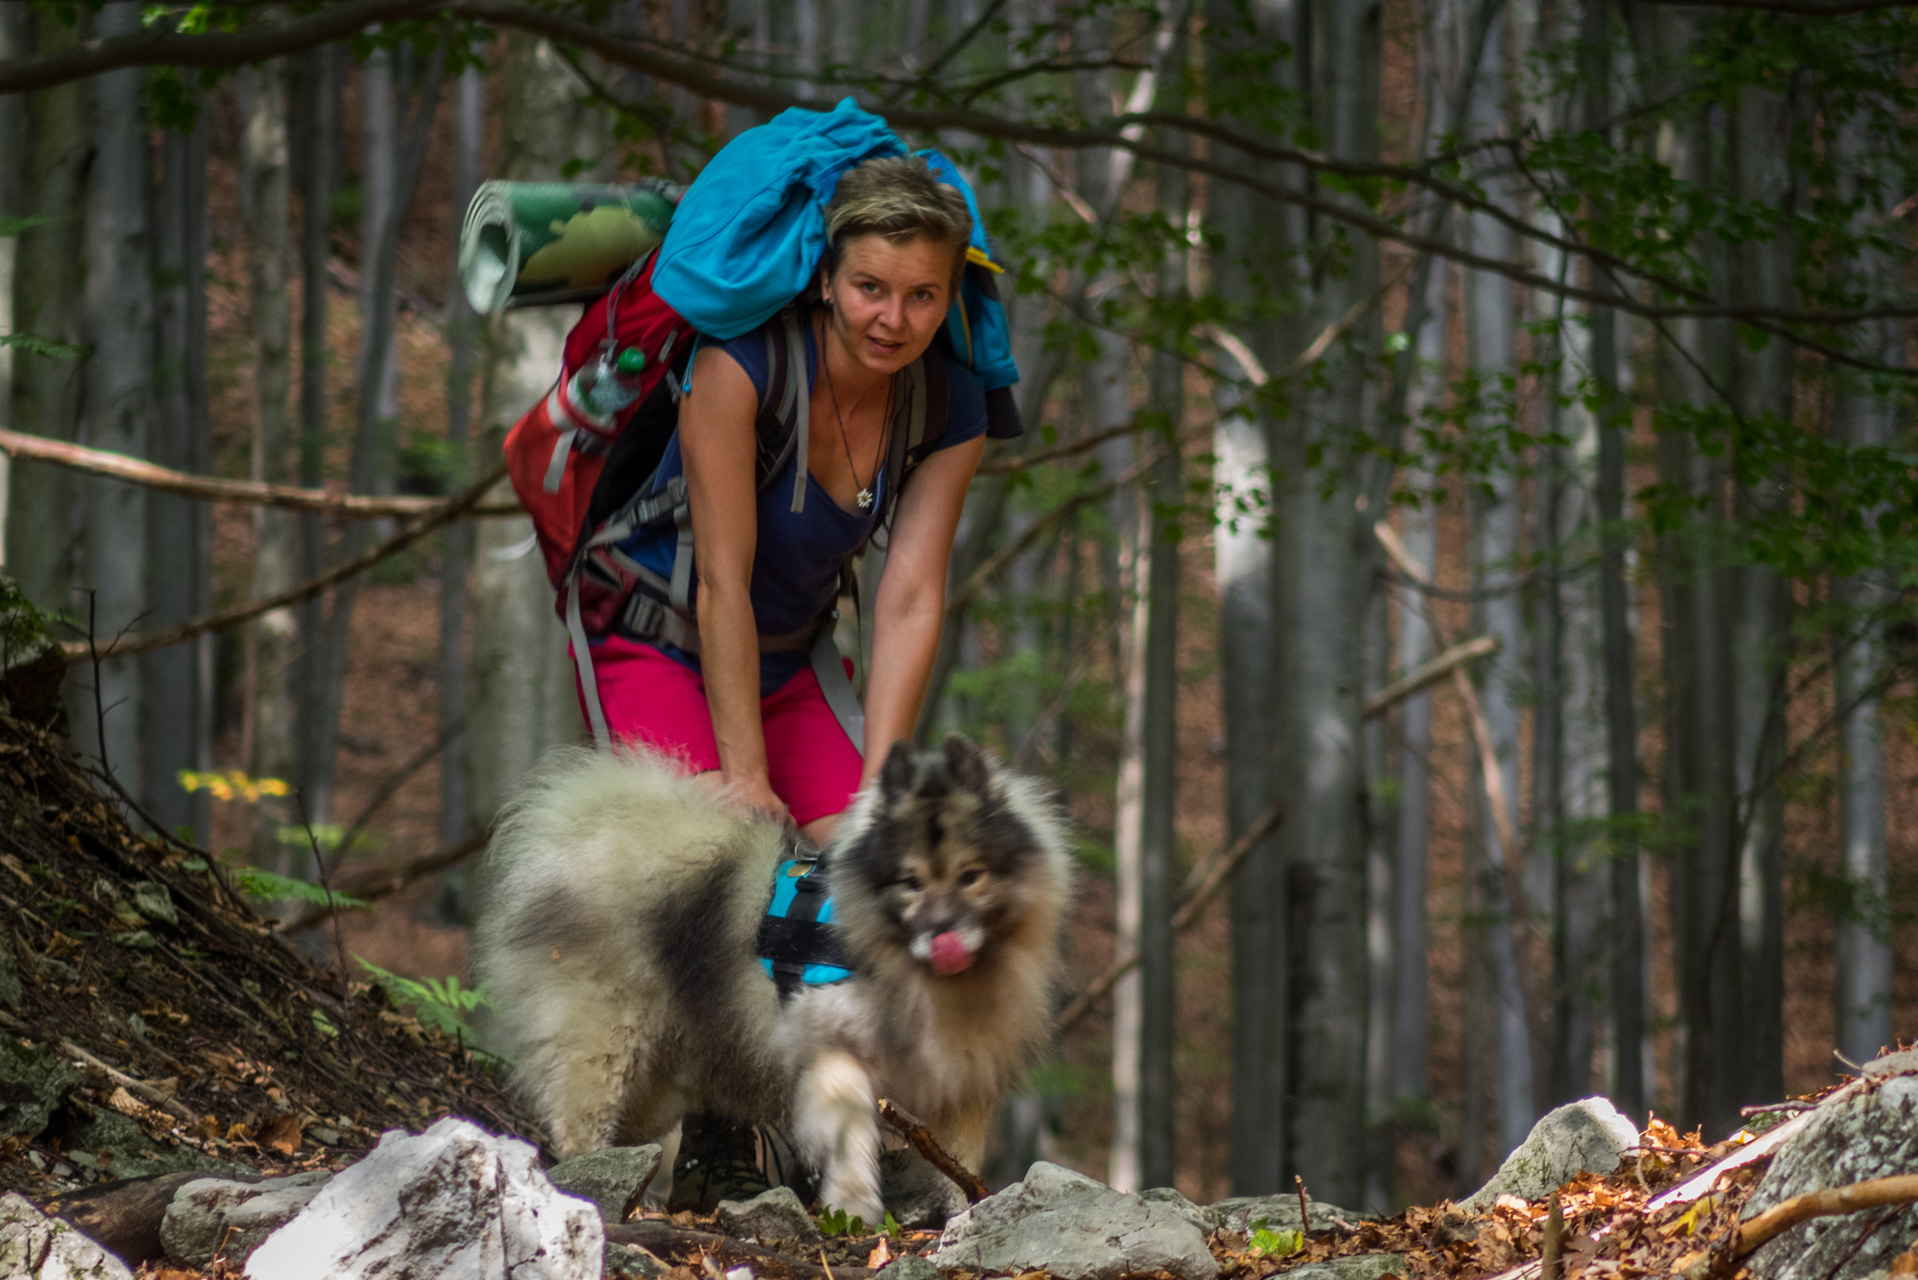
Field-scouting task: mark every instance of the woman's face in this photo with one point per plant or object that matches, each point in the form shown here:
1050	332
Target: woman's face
888	300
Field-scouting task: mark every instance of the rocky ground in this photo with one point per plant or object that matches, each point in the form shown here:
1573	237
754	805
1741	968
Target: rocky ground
184	1095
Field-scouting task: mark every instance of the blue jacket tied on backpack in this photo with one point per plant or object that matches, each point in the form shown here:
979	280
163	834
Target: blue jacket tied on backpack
749	233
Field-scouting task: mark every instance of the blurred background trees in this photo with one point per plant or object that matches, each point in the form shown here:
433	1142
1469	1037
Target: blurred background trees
1351	332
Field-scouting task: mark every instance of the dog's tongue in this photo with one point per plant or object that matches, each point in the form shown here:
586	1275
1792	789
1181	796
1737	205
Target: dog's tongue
950	953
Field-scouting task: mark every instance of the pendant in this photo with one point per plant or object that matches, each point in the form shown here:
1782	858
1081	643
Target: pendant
864	499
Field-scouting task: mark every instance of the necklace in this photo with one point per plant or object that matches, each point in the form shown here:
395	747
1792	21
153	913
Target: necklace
864	498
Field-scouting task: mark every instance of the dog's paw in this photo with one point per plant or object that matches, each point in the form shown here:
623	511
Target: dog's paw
855	1192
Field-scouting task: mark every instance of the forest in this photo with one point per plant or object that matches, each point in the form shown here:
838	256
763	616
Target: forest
1456	568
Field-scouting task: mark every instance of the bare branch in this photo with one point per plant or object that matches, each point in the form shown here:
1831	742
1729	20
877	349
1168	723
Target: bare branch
447	512
214	489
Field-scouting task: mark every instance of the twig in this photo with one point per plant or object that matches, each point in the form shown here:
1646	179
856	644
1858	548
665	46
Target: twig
1205	881
74	457
99	707
444	514
1429	673
339	942
379	882
1902	1189
1305	1208
1772	1108
1554	1243
390	785
914	1131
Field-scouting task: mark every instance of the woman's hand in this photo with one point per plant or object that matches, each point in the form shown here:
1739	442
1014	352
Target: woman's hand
755	795
911	607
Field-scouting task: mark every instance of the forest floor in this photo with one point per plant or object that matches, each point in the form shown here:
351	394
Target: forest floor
205	1038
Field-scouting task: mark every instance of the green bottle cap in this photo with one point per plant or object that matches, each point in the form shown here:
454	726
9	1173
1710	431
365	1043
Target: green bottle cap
630	361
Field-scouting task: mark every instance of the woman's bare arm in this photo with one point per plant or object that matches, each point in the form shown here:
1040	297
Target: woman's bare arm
717	440
911	607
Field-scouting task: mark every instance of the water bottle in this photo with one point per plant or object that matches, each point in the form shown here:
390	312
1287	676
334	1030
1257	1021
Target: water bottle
607	385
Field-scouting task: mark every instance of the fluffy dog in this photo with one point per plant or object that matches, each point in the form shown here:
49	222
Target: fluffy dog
618	931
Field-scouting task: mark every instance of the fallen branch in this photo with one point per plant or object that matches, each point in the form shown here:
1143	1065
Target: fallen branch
1429	673
1902	1189
118	466
444	514
1200	886
913	1130
373	883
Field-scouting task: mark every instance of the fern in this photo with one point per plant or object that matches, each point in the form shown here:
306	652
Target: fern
267	884
439	1003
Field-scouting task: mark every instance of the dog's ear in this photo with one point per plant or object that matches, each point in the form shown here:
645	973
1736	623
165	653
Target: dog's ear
895	776
967	764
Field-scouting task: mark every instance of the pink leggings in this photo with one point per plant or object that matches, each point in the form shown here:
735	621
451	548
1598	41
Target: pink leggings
650	698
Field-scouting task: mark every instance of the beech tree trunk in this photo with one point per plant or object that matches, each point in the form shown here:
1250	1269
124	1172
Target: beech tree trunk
42	535
178	712
15	42
1255	238
117	405
273	646
521	694
1862	995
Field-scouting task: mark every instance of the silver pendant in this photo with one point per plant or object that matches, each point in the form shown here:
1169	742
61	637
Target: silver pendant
864	499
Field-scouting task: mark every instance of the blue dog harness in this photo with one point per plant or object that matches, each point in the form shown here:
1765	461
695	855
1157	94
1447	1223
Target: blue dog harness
798	942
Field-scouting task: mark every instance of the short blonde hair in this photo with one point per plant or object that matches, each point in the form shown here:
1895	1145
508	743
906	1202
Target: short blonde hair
901	199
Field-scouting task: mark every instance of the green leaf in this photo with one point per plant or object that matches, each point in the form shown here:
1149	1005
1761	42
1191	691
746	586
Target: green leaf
270	885
42	347
1274	1244
837	1222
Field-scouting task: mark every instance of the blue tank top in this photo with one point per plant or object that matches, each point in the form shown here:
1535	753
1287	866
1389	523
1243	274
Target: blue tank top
799	555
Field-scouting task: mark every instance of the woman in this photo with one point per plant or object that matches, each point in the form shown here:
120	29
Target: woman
758	722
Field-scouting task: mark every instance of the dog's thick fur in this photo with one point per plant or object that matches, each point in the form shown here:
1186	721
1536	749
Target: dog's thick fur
621	911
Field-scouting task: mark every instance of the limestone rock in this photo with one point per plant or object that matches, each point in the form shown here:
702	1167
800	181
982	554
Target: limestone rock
1588	1136
35	1247
217	1216
453	1201
770	1215
1871	1135
1075	1228
33	1081
629	1260
1280	1213
1364	1266
910	1266
1204	1219
614	1178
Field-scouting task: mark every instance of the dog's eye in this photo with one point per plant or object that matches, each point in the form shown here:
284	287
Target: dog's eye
970	877
909	882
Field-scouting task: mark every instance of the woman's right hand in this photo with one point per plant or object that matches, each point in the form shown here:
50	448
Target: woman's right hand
755	795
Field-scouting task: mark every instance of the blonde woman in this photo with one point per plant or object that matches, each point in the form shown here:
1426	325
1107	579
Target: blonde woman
747	709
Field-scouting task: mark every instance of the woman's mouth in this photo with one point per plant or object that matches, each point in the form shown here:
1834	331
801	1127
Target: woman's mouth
883	348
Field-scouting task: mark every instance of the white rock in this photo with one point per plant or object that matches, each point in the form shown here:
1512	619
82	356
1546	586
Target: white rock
453	1201
1588	1136
36	1247
1075	1228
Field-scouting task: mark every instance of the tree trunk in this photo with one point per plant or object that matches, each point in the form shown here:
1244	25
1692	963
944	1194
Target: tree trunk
178	693
273	647
1495	549
118	402
42	533
522	696
1319	554
1749	969
1866	419
1621	713
16	32
1254	239
319	131
456	544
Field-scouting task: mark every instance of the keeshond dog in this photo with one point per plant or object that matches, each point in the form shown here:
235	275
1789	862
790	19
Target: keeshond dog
618	929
